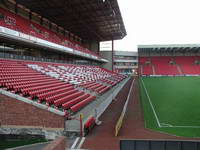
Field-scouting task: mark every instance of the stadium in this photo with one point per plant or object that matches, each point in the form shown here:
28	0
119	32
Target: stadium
58	91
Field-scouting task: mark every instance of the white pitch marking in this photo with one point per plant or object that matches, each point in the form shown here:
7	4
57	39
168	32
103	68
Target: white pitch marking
175	126
166	125
75	142
81	143
157	120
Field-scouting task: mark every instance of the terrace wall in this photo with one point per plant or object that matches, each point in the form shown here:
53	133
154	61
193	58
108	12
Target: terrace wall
19	114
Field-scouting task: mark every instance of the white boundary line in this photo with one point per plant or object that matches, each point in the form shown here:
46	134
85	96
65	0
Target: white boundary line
166	125
81	143
152	107
75	142
163	125
78	143
175	126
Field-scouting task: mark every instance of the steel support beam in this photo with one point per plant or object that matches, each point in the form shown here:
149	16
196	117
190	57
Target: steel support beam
112	55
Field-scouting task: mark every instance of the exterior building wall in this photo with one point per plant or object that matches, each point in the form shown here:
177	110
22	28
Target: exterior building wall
124	61
19	114
94	46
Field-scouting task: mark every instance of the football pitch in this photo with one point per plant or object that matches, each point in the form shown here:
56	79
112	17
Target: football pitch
171	104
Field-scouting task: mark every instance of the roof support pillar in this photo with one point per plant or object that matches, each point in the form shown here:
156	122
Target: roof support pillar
41	21
57	29
30	15
64	32
98	51
16	8
50	25
112	55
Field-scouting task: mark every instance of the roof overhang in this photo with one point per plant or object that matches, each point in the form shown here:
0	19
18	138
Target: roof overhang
98	20
169	48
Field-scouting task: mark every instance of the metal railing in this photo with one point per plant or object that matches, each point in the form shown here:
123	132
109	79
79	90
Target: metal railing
31	58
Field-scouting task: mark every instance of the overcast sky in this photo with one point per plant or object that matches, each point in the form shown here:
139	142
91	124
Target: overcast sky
159	22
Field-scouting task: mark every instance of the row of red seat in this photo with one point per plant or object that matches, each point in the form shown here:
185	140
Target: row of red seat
163	66
107	81
67	105
180	65
103	89
72	96
51	95
84	102
96	87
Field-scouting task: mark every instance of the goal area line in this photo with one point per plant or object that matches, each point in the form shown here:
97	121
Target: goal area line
165	125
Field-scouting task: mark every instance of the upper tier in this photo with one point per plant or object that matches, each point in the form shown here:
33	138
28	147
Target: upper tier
17	23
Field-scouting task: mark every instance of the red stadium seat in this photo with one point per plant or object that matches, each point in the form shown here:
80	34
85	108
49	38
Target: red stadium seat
80	105
75	101
68	98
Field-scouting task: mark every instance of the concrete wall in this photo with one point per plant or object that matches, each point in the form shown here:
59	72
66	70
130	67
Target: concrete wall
107	55
92	45
125	53
15	113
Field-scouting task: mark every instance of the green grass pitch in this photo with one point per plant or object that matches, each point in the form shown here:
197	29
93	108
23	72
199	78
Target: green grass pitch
171	104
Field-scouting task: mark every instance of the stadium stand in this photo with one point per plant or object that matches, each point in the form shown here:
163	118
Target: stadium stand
163	66
62	86
168	65
145	66
147	70
50	69
20	24
187	64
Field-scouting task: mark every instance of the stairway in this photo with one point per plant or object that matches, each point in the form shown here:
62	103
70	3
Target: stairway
153	68
141	69
179	69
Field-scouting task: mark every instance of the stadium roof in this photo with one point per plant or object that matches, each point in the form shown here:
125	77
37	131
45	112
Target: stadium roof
98	20
170	48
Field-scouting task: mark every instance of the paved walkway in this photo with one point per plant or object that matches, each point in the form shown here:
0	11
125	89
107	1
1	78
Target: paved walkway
102	137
